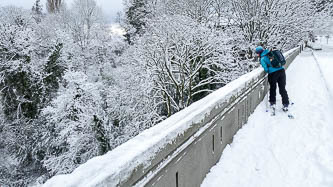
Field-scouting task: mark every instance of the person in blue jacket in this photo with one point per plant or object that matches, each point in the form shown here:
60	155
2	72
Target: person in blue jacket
276	75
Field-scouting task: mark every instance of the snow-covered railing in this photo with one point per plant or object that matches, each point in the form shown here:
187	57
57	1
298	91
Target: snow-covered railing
180	150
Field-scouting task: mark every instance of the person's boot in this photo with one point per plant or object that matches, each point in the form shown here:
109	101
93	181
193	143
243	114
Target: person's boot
285	108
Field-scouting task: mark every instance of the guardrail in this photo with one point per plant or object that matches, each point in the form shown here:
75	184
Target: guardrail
179	151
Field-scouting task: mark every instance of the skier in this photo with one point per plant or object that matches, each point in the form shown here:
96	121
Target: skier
275	75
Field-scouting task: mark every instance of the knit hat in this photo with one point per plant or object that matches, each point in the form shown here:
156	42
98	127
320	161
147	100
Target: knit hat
259	49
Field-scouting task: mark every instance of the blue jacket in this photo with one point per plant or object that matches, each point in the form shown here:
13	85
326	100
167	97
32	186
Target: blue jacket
266	63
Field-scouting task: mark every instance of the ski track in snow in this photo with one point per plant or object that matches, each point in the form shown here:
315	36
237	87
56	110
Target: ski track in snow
276	151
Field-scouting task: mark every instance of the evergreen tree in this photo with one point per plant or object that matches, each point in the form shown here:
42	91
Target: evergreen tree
54	70
136	15
37	8
37	11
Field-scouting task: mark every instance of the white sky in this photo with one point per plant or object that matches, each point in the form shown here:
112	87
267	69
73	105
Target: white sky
109	7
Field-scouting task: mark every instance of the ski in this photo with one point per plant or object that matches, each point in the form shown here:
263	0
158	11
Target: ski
290	116
287	110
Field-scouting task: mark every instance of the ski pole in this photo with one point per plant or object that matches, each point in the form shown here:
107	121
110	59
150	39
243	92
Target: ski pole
266	97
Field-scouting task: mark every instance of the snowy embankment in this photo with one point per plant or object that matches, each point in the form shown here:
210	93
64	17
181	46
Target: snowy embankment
277	151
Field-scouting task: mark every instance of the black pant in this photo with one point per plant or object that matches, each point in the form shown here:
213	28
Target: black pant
278	77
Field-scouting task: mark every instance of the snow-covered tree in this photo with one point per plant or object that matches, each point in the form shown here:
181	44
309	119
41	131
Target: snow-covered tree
25	65
130	102
54	6
184	57
282	24
37	11
85	17
37	7
79	123
199	10
136	13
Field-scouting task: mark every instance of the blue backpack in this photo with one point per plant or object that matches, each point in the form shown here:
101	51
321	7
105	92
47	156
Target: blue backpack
277	59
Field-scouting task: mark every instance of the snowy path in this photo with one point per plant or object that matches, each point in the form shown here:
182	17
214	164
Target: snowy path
325	60
277	151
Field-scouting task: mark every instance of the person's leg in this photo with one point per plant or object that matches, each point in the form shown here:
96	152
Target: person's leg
272	79
282	87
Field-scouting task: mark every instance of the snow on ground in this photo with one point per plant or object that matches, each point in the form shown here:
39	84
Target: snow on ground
324	58
277	151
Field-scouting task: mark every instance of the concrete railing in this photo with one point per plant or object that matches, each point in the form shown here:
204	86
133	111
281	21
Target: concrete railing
179	151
